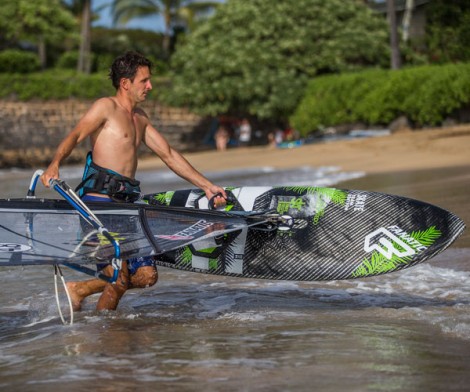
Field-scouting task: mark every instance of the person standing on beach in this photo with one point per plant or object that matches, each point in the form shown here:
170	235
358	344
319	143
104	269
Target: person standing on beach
244	136
222	137
117	127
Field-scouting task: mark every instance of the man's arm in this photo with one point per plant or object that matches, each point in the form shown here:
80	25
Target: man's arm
176	162
90	122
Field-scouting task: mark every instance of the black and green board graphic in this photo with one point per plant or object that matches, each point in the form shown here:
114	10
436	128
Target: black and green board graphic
289	233
328	234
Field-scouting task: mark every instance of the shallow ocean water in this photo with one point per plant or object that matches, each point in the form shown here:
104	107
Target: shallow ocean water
407	331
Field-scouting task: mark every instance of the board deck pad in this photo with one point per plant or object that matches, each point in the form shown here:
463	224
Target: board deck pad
335	234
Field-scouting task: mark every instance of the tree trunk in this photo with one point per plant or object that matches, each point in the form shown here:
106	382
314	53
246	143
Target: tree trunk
394	45
167	35
84	58
407	19
42	52
166	45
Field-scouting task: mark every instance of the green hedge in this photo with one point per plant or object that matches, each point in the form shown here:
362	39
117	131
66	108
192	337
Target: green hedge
18	61
426	95
54	85
60	84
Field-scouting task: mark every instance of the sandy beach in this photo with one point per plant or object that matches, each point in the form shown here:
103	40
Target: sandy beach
406	150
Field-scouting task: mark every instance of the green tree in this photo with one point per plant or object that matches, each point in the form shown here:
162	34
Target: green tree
40	22
448	30
107	44
256	56
173	12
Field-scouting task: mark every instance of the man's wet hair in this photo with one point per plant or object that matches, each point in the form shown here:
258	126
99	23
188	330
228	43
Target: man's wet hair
126	66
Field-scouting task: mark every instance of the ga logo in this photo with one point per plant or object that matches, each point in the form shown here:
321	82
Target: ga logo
387	244
10	248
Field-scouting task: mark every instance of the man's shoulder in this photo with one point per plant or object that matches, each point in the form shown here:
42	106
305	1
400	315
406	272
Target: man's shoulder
103	107
107	102
140	112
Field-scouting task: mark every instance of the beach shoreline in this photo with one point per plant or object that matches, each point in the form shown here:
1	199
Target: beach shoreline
405	150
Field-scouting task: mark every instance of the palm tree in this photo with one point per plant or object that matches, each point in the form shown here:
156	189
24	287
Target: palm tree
173	11
84	58
82	11
407	19
394	45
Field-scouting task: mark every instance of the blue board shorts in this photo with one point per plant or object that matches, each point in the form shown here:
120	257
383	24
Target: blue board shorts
133	264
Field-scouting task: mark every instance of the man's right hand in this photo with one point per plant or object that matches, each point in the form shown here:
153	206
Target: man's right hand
216	196
51	173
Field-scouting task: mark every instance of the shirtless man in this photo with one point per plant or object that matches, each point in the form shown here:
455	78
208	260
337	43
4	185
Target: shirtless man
116	128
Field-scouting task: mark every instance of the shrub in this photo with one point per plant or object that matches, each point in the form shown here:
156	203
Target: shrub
68	60
18	61
59	84
425	94
103	62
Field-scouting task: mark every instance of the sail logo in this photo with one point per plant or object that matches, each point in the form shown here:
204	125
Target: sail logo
188	233
13	248
173	237
388	244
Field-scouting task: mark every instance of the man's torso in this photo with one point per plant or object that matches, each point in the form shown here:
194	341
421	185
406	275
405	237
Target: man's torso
116	143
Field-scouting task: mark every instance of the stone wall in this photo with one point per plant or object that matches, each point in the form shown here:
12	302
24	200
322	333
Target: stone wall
31	131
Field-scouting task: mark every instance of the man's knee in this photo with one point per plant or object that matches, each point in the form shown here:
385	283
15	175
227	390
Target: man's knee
144	277
122	281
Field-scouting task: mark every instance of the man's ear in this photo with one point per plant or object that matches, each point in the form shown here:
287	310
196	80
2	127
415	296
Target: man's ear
124	83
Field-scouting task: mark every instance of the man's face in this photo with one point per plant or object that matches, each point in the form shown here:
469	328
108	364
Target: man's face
141	84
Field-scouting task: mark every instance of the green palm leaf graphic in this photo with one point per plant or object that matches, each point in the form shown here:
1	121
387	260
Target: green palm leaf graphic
378	263
164	198
334	195
301	189
337	196
213	264
318	215
427	237
186	255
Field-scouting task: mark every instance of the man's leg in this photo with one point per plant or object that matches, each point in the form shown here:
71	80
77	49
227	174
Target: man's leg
112	293
144	277
143	272
78	291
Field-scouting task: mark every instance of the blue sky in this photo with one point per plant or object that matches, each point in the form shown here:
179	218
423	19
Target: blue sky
154	23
